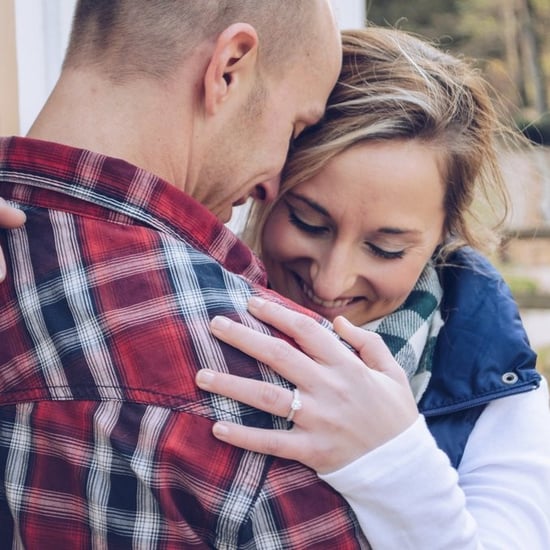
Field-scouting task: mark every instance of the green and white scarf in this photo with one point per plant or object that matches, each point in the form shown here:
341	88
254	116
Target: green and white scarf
410	332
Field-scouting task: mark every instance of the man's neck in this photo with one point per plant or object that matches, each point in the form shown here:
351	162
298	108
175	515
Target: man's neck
138	122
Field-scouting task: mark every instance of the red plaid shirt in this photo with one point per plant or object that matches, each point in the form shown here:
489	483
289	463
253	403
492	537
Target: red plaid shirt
105	441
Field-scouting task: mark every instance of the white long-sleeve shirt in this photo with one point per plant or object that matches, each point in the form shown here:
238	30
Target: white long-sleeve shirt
406	494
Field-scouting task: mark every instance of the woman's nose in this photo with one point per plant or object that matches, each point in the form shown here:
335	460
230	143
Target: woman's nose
334	275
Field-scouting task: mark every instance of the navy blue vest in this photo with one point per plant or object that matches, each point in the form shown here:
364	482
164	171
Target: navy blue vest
482	352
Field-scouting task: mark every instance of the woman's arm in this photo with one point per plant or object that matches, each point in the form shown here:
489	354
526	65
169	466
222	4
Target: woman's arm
9	218
406	494
360	430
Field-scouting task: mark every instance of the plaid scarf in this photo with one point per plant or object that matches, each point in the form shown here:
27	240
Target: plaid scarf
410	332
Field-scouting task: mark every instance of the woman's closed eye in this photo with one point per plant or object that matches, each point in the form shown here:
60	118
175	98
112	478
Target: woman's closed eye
385	254
304	226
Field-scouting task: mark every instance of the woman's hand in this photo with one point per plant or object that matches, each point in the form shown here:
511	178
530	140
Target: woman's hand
350	405
9	219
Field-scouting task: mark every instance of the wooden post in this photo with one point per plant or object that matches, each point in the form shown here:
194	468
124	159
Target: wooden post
9	104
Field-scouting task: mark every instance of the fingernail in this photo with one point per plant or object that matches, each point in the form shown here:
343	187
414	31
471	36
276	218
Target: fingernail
220	430
220	322
256	302
204	378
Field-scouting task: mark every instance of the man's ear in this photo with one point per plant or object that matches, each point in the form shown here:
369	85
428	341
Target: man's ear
233	61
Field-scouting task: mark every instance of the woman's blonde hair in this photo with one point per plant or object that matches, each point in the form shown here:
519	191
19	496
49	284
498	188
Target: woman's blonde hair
394	85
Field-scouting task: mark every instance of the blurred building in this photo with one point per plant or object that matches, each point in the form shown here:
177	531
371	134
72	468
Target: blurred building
528	178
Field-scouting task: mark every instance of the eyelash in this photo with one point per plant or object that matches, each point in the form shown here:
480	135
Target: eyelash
321	230
385	254
302	226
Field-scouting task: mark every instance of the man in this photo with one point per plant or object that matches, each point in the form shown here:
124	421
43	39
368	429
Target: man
166	114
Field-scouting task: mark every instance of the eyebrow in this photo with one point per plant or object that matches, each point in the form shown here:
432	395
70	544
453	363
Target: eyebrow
396	231
312	204
324	212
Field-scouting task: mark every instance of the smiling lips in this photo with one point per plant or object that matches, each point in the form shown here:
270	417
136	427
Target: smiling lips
328	304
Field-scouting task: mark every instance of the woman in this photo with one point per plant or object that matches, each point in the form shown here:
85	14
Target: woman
445	444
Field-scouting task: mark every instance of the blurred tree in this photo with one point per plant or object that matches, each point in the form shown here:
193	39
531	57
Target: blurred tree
509	39
513	57
530	47
427	17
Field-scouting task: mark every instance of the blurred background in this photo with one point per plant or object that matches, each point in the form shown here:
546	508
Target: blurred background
508	38
511	43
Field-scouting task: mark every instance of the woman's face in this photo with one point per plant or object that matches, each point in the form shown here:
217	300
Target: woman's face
354	239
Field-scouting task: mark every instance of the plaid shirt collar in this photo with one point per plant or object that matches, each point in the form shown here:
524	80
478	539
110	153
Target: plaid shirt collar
92	184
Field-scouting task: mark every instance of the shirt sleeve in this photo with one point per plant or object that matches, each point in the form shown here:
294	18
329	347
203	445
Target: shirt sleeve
407	495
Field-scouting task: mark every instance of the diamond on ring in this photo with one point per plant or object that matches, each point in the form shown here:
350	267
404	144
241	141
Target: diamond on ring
296	405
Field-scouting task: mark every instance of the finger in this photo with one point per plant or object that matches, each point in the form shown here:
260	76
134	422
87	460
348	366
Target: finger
260	395
283	444
10	217
2	267
283	358
314	339
372	349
